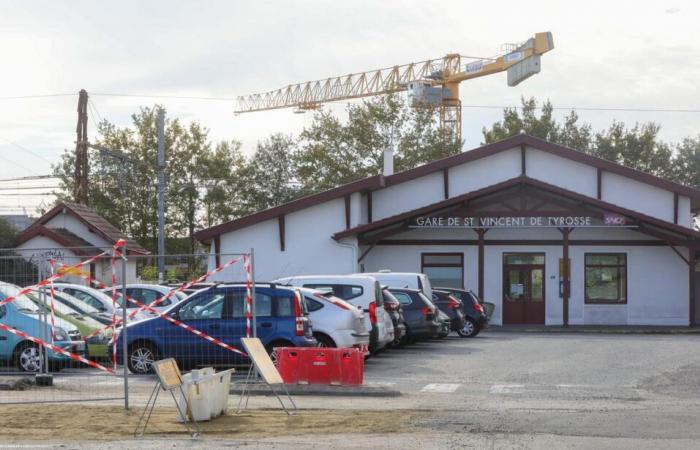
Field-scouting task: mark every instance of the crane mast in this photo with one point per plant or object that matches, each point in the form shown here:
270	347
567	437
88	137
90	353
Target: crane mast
434	82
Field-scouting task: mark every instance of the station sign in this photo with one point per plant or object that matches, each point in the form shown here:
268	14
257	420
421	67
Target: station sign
608	221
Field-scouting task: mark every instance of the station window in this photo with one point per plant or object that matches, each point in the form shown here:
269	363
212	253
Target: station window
444	269
606	278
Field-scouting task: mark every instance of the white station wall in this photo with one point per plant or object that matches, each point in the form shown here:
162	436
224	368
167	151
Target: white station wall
407	196
562	172
657	278
309	248
642	197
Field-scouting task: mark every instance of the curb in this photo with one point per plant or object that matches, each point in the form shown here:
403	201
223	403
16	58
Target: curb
322	390
577	330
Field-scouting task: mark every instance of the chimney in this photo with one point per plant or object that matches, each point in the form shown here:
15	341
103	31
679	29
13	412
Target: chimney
388	161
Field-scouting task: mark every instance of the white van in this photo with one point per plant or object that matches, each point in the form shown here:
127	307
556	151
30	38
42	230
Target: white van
406	280
360	290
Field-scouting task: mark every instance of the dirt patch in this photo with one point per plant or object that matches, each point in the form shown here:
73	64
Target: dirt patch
61	423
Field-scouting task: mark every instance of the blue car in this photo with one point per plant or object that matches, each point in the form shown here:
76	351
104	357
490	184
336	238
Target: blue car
282	321
23	314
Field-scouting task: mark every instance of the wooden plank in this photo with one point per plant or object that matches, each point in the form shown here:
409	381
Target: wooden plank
280	223
257	353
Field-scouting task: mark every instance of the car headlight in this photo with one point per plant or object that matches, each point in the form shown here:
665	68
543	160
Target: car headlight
60	334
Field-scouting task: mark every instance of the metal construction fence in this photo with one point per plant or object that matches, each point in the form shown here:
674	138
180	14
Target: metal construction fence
62	310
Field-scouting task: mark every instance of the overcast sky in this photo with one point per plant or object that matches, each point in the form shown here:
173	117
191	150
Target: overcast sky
609	54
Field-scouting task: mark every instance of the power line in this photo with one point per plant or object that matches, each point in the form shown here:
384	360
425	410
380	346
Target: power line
30	177
175	97
26	150
27	188
23	97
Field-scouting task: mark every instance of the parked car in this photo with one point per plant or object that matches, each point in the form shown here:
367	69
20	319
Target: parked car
360	290
420	315
445	324
452	307
335	322
474	311
147	294
395	310
99	300
23	314
96	346
408	280
281	316
79	306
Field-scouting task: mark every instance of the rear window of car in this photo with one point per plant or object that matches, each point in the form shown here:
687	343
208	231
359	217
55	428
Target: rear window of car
312	305
402	297
344	291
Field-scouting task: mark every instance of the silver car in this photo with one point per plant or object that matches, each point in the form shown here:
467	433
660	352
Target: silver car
335	322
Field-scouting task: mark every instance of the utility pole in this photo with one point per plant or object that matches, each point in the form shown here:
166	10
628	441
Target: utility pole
80	192
161	195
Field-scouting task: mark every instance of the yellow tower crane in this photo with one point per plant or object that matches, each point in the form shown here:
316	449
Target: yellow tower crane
434	82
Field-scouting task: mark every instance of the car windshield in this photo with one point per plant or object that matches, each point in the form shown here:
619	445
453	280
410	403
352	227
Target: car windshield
22	303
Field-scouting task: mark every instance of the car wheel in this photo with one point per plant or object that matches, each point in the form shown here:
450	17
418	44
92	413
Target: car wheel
28	358
141	358
469	329
324	341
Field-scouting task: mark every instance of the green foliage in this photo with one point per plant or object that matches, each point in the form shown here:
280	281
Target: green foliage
149	273
332	152
7	234
637	147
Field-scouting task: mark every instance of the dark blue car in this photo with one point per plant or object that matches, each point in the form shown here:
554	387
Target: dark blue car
282	321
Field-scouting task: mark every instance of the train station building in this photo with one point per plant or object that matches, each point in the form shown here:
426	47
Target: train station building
549	234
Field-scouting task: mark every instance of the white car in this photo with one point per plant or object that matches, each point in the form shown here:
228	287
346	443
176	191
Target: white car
335	322
97	299
404	280
148	293
360	290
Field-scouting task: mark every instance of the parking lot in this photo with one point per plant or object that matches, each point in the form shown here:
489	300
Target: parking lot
509	390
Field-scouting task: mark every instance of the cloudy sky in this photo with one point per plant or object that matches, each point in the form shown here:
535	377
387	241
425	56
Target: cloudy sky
622	54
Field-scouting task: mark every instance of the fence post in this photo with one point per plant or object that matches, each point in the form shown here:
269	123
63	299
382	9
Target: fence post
252	300
125	351
43	318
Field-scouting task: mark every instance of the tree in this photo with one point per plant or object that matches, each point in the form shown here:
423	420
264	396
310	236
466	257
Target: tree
332	152
124	191
270	176
686	167
638	147
8	234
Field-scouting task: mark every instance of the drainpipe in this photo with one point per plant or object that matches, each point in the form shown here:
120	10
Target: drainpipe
353	250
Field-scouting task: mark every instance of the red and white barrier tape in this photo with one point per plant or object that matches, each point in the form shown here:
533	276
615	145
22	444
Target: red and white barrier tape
53	296
159	300
248	296
113	264
189	328
50	280
55	348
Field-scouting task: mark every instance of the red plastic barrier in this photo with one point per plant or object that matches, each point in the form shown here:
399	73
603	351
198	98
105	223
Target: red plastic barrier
352	367
288	359
315	365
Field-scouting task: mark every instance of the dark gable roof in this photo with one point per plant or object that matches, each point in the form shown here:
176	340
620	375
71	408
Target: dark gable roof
90	218
62	237
380	181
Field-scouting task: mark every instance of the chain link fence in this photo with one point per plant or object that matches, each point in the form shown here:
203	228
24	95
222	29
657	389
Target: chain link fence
57	339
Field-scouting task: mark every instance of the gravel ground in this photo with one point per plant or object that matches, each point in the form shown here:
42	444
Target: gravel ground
500	390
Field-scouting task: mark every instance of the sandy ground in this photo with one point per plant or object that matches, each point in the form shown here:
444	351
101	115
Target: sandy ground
91	424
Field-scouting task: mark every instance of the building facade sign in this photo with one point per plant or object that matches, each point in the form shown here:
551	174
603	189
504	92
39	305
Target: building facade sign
609	220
